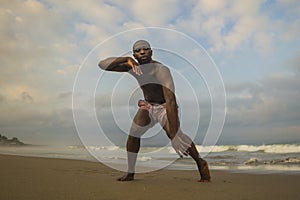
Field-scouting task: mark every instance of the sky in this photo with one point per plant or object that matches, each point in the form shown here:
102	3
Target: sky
44	44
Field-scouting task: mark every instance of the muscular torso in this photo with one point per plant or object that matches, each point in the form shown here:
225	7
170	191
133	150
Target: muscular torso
150	85
153	93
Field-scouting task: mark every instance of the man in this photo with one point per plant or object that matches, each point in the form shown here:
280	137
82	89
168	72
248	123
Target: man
159	106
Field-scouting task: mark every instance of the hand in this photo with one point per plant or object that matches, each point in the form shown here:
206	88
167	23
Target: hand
135	67
144	104
181	144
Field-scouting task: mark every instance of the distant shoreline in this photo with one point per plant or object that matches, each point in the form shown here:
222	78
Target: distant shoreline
4	141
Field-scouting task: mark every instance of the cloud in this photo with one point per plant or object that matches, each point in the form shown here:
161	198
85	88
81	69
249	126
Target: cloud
233	25
64	95
155	13
43	43
2	98
39	52
26	97
68	70
34	124
270	106
19	92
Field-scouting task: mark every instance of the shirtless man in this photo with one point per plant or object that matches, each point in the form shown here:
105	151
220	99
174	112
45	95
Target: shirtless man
159	106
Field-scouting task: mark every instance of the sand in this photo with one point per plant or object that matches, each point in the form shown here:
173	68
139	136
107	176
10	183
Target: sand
47	178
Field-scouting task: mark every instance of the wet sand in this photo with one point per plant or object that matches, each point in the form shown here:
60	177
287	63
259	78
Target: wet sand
47	178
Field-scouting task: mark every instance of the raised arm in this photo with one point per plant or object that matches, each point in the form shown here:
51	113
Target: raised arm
120	64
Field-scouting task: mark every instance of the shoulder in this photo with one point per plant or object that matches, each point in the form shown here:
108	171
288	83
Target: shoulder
163	74
161	67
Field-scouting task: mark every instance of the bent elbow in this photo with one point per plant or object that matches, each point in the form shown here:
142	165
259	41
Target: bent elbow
101	64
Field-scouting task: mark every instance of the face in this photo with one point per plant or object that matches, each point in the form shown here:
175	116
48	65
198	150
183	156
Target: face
143	55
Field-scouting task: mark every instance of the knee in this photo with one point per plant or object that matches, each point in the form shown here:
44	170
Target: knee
137	130
134	132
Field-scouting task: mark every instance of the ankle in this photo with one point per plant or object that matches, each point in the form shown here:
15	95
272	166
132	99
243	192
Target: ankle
130	174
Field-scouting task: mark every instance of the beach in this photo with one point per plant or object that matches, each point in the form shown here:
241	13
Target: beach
52	178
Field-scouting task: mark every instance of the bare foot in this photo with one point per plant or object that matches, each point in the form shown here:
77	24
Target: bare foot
204	172
127	177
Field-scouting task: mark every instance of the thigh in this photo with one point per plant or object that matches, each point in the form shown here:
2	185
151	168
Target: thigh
141	123
142	118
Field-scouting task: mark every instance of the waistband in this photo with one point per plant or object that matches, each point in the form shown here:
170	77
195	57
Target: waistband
147	105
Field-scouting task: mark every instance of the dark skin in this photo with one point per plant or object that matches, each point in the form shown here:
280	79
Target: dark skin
157	85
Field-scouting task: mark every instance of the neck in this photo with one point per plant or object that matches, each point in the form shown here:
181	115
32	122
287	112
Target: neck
145	62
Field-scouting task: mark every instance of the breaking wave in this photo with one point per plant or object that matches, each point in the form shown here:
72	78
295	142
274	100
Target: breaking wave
274	148
285	161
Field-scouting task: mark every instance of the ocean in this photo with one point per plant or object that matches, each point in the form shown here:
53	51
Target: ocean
272	158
